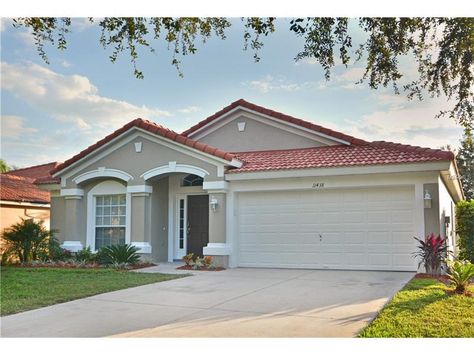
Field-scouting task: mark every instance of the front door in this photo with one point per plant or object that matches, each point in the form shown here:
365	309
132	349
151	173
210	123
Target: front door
198	223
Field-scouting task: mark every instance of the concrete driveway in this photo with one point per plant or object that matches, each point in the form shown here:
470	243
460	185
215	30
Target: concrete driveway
230	303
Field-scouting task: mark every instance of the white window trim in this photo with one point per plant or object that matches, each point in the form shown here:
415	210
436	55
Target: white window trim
106	188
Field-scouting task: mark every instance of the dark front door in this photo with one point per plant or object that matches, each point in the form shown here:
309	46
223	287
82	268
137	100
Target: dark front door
198	223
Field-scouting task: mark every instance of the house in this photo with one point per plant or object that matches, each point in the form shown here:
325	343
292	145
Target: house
21	198
255	188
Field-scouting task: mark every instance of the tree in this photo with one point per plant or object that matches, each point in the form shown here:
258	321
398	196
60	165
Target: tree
443	48
4	168
465	162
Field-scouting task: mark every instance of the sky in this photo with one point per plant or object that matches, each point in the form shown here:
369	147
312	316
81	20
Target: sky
52	112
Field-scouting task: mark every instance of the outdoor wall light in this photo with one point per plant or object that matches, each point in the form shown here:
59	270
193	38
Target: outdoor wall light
213	203
427	199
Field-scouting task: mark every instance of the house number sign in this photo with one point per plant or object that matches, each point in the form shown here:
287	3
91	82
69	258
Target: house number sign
318	185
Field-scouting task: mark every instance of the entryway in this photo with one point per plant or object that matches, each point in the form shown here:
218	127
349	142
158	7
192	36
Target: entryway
197	223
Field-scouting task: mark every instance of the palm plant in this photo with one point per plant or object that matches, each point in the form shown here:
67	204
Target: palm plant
125	254
28	240
431	251
460	274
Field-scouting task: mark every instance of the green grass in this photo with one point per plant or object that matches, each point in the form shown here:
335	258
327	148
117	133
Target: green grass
23	289
423	308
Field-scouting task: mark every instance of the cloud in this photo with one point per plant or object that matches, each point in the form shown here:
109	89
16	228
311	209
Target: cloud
190	109
270	83
410	122
13	127
65	64
71	98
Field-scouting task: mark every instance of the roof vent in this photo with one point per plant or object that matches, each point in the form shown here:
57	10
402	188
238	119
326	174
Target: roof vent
241	126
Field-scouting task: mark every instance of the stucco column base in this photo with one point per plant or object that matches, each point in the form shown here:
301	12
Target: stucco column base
140	218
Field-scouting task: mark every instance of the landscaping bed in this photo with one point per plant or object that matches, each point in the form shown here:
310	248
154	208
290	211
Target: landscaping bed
75	265
425	307
24	288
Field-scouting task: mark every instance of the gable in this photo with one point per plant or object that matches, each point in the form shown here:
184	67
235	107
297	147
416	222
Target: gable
244	130
123	157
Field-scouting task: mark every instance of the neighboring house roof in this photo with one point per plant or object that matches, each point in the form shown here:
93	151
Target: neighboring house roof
21	189
155	129
35	172
375	153
277	115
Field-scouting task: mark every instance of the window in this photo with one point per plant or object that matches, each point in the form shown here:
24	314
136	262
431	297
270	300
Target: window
110	211
181	224
192	180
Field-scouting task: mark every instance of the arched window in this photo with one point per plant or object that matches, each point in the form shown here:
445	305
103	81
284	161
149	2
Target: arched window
192	180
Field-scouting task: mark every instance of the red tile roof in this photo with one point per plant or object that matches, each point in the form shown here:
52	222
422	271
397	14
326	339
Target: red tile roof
35	172
153	128
376	153
21	189
277	115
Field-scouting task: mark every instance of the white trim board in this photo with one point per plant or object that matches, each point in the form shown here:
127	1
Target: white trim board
375	169
272	121
103	172
173	167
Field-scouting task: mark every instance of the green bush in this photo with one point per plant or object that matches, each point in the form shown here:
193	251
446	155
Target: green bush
460	274
30	241
118	255
85	255
465	229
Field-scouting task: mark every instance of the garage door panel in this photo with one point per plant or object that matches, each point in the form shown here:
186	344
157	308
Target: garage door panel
366	229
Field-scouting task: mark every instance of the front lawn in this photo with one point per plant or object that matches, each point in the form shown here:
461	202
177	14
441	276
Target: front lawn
23	289
423	308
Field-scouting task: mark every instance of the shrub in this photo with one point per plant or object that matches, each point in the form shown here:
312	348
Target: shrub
85	255
465	229
460	273
432	251
207	261
198	263
188	259
118	255
29	241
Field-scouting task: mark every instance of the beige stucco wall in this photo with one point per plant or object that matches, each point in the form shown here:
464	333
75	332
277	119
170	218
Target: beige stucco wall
431	215
159	220
446	209
58	217
257	136
217	219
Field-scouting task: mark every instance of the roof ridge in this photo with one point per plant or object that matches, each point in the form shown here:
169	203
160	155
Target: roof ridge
278	115
440	153
153	128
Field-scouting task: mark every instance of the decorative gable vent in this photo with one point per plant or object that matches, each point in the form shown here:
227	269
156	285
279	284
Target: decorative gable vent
241	126
138	147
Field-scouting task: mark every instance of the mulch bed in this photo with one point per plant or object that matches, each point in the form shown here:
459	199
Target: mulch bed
77	266
188	267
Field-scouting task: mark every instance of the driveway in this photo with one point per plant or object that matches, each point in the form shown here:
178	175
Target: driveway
230	303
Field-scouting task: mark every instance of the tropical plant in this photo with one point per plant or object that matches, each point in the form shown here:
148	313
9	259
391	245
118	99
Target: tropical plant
431	251
4	166
85	255
188	259
29	241
460	274
465	229
118	255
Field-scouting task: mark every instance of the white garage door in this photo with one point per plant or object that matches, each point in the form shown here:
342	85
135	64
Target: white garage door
365	229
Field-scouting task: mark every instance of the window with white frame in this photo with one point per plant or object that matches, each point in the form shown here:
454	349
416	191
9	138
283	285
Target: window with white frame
110	212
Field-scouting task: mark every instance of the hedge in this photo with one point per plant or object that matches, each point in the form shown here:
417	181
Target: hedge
465	229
